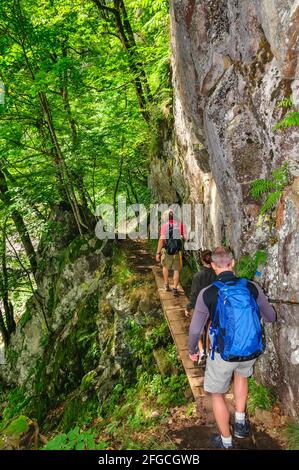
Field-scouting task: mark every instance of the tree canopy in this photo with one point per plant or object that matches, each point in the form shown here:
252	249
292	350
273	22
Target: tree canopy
85	82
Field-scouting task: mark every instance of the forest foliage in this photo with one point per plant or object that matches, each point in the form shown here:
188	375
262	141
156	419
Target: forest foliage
86	83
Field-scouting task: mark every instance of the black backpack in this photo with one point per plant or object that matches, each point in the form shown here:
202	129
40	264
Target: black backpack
174	243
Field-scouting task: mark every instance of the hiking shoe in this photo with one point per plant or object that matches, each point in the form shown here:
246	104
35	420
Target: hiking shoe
175	292
167	288
217	443
241	430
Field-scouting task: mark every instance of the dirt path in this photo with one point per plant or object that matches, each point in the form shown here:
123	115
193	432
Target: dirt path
192	432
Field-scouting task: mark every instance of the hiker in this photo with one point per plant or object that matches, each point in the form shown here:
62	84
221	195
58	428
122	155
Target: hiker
234	306
169	251
202	279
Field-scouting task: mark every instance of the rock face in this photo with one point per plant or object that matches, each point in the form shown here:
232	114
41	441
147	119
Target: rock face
70	345
232	62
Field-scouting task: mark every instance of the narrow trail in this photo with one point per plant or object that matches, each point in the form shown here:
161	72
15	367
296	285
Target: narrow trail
192	436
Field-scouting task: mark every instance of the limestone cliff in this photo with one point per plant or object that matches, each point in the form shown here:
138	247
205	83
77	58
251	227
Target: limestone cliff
232	62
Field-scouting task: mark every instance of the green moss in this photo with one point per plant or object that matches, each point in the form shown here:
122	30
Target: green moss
16	401
292	435
74	248
72	411
162	360
73	357
11	357
247	265
25	317
40	376
121	270
17	426
51	299
87	380
79	412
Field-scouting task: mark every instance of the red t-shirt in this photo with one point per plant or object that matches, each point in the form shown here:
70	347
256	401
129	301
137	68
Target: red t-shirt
164	229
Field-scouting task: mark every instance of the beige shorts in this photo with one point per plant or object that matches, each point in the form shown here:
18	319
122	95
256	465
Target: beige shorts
173	262
219	373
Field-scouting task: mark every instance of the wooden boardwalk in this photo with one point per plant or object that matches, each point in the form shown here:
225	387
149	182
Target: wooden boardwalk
173	308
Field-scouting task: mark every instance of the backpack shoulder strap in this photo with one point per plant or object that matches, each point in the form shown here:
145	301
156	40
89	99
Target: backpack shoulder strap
218	284
243	281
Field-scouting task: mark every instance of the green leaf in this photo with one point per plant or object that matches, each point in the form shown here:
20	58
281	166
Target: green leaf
260	187
80	446
271	201
290	120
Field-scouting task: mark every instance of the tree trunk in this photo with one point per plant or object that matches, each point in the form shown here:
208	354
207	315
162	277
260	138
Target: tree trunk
59	161
19	223
8	326
74	135
3	329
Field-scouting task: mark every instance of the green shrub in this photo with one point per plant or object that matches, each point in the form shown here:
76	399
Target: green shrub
247	265
259	397
270	189
76	440
121	271
292	435
291	118
17	400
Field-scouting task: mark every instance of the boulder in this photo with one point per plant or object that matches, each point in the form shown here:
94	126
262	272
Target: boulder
19	434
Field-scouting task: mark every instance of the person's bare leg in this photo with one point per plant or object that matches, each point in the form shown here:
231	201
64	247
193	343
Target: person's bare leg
240	392
165	275
176	279
221	414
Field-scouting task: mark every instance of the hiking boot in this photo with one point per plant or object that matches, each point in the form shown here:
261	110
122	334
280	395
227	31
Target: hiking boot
217	443
175	292
241	430
167	288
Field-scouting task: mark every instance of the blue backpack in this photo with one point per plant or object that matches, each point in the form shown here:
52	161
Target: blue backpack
236	330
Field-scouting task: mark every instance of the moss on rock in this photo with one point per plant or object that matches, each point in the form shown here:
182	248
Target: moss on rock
17	426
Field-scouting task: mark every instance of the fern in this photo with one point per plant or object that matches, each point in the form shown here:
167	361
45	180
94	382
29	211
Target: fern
280	176
290	120
270	202
260	187
285	103
271	188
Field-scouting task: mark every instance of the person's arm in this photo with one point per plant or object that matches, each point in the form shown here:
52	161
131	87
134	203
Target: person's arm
199	319
267	311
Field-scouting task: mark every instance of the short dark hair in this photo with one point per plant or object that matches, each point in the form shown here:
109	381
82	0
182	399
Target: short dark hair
206	256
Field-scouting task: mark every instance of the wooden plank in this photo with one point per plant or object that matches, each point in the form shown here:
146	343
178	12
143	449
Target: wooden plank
173	308
182	343
178	328
175	302
178	315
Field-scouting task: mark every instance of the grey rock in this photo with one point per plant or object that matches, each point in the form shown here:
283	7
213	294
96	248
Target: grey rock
232	62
